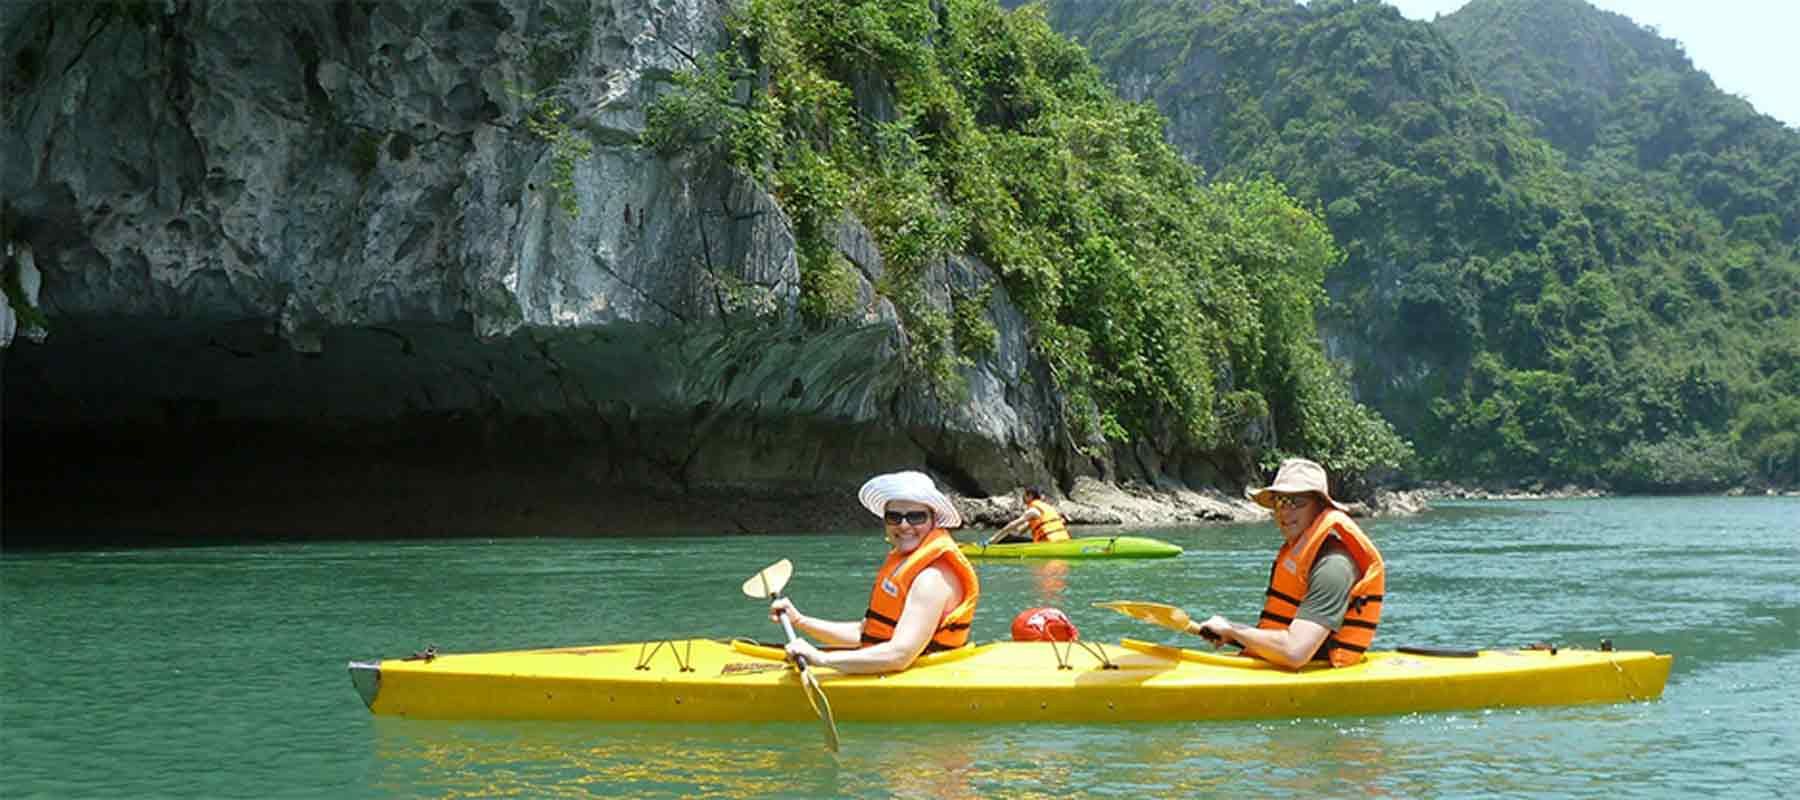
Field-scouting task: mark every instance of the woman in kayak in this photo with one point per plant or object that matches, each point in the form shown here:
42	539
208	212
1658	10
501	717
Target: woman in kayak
924	595
1324	595
1045	521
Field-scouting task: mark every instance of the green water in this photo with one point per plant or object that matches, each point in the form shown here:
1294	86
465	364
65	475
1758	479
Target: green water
219	671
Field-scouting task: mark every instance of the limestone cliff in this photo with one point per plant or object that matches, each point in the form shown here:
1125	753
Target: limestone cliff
305	268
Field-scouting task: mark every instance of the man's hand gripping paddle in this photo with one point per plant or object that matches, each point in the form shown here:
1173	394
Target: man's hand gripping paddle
767	586
1166	616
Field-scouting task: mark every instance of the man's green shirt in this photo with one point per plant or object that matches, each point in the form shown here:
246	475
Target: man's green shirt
1328	587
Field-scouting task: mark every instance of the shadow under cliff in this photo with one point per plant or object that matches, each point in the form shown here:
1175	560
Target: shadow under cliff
127	430
448	477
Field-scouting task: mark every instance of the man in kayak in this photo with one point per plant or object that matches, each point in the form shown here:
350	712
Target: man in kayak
1045	522
924	596
1324	595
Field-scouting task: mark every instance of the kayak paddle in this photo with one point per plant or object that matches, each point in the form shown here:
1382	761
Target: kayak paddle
767	585
1166	616
1176	619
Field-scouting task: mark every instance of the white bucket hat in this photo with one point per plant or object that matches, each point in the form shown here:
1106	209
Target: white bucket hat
915	486
1296	476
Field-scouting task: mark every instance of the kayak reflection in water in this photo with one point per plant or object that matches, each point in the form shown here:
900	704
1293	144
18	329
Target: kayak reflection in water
924	596
1050	578
1045	522
1325	587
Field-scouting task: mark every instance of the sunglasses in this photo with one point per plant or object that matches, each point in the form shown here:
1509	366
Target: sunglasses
1292	500
914	518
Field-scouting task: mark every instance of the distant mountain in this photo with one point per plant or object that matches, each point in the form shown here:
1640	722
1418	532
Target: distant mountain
1569	261
1626	105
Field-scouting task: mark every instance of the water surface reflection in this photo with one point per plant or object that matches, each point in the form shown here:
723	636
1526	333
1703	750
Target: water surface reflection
927	761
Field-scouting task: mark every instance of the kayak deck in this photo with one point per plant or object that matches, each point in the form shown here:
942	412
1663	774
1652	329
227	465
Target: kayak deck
1083	547
704	680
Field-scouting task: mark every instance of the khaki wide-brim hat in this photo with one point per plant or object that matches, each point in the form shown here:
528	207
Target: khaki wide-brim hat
1296	476
915	486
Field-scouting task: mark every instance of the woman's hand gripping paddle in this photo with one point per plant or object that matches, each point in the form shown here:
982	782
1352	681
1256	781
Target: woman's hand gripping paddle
1166	616
767	585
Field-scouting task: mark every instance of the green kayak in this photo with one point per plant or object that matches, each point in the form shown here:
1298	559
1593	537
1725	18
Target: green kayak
1088	547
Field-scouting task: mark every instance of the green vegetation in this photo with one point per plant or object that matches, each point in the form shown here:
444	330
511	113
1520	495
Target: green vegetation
974	335
1166	310
1629	110
1615	305
29	316
557	40
567	148
365	152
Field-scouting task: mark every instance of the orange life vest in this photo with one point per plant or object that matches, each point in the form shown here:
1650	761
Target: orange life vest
1048	525
1293	567
894	581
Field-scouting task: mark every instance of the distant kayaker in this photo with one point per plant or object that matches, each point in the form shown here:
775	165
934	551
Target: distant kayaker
924	595
1324	595
1044	521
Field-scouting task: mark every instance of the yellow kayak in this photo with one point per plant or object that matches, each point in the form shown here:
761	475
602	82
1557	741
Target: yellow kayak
705	680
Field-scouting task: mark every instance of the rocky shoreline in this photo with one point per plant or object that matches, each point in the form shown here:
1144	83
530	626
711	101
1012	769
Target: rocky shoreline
1449	491
1095	502
472	497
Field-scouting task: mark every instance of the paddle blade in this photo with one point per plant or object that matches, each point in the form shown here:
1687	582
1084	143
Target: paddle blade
766	585
1166	616
815	695
770	581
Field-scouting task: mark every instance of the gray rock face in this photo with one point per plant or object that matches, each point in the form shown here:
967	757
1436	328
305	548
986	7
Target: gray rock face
340	165
23	282
291	251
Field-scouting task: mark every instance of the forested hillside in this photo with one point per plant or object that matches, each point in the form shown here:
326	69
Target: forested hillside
1618	303
1627	107
1629	110
1176	317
